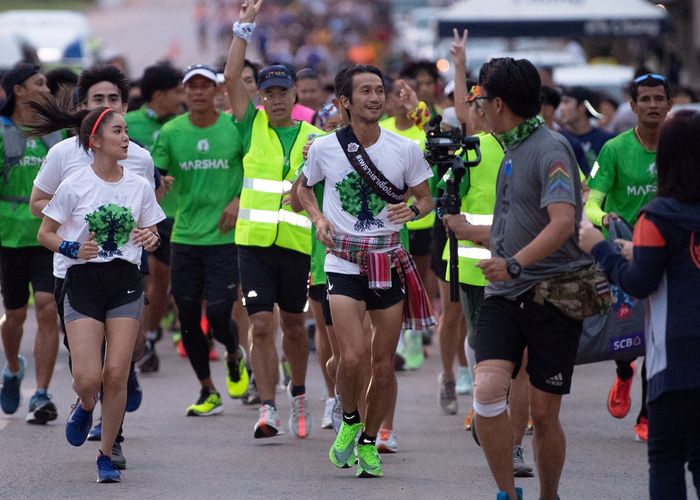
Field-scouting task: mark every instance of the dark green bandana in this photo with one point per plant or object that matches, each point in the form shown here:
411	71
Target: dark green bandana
518	134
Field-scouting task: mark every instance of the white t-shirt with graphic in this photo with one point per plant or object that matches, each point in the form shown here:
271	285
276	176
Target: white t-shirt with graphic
85	203
348	203
68	157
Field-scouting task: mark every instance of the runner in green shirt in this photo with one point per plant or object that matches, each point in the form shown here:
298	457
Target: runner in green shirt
201	150
22	260
161	86
622	181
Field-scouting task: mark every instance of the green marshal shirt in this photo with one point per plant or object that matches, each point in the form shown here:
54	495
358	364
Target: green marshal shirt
626	173
18	227
206	165
144	128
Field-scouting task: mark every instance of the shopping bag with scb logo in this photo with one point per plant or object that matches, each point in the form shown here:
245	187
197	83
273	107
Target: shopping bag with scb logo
618	333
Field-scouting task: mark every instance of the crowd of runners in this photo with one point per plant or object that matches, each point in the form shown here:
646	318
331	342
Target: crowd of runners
233	203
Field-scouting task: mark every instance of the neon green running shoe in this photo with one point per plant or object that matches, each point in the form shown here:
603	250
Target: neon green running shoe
237	376
209	403
342	452
369	463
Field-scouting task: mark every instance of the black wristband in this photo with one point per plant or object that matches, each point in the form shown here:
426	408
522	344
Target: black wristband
415	210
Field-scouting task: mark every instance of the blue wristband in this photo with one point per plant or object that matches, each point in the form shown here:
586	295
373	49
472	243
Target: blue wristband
69	249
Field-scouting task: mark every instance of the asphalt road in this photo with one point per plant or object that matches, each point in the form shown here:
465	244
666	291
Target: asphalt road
170	455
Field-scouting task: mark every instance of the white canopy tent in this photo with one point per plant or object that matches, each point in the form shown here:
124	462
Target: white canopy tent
553	18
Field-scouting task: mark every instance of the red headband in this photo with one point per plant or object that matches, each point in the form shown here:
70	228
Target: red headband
97	123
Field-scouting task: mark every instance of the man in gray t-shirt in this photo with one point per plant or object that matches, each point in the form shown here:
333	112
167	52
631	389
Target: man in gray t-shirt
533	175
532	239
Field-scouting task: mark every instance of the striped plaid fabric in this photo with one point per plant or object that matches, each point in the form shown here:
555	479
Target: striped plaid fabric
364	251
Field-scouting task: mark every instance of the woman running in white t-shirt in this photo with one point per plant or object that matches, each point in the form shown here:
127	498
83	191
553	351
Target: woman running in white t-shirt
101	218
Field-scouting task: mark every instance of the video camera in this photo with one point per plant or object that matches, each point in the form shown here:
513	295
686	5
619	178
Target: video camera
441	149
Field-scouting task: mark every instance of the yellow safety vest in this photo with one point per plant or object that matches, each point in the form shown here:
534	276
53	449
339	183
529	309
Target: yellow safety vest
417	135
477	207
263	220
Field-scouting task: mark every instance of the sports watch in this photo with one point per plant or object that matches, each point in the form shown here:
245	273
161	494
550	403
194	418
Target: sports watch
415	210
513	267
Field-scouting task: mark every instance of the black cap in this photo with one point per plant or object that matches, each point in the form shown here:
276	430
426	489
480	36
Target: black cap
276	75
16	76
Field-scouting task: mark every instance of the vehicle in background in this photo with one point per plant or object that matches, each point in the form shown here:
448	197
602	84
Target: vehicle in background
609	78
14	49
60	37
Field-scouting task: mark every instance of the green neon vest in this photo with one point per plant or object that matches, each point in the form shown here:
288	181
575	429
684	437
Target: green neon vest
477	207
263	219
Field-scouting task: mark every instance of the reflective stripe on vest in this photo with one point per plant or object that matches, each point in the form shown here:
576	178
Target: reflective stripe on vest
478	219
267	185
274	217
479	253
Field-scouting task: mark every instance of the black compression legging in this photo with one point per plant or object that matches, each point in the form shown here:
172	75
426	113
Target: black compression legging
222	327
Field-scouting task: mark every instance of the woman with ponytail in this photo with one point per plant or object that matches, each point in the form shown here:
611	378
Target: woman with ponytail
100	219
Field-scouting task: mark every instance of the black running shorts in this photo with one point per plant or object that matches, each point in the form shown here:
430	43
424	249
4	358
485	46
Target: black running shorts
505	327
21	266
273	275
357	287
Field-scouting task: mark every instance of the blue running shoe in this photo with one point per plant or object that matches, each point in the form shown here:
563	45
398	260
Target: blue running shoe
9	394
41	409
134	394
78	425
95	433
504	496
106	471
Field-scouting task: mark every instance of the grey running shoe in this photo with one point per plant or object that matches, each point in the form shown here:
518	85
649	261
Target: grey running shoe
41	409
327	420
252	396
300	416
337	417
520	468
447	397
118	459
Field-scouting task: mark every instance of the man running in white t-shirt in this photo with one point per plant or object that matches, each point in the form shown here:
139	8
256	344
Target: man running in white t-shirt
368	173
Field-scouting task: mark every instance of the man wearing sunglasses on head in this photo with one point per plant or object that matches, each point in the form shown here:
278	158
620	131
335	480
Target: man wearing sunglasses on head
622	181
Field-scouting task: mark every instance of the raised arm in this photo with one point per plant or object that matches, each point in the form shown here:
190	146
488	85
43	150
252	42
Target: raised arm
236	55
459	59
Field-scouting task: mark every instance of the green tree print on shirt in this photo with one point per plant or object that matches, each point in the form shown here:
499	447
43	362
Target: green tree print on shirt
359	201
112	225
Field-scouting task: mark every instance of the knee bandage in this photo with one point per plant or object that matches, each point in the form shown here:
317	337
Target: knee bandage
491	390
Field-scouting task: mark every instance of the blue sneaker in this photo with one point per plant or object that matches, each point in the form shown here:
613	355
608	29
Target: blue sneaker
95	433
106	471
41	409
78	425
9	394
502	495
134	394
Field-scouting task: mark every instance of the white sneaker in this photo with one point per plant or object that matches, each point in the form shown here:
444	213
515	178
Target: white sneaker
464	380
386	441
327	420
300	416
269	423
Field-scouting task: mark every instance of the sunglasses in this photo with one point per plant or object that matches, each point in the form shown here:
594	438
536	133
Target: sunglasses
653	76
